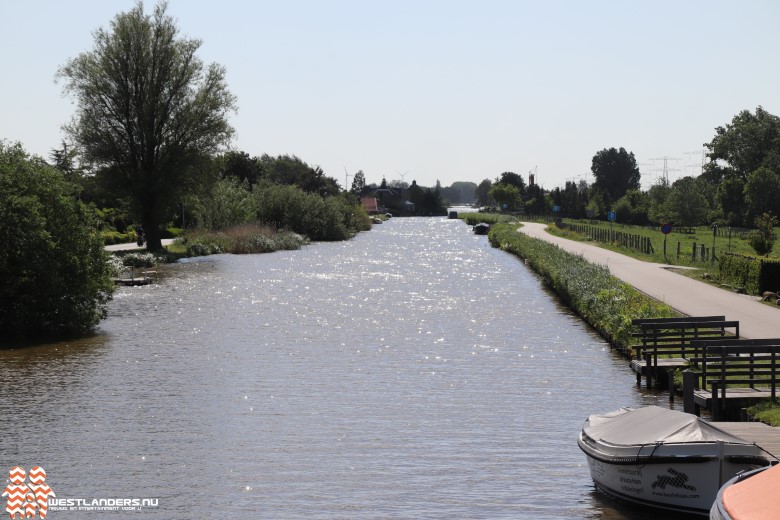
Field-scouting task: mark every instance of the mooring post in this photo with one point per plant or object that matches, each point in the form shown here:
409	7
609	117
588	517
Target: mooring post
649	374
715	401
690	382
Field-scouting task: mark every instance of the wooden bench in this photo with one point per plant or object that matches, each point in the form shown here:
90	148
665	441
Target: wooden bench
737	371
666	343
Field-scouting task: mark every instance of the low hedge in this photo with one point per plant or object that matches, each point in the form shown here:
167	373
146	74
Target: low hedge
602	300
755	274
115	237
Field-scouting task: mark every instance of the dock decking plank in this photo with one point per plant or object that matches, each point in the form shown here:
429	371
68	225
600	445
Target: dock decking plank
768	437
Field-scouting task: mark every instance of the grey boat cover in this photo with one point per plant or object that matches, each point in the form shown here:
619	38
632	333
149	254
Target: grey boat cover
651	424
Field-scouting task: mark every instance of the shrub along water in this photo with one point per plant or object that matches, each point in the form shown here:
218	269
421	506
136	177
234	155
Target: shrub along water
602	300
55	278
243	239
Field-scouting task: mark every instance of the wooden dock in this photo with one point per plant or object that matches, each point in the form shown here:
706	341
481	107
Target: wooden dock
661	369
133	282
763	435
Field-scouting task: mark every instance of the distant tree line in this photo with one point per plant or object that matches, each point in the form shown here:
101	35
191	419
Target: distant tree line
738	185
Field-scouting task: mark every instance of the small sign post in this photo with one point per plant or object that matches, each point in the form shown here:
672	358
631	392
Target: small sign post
665	229
714	236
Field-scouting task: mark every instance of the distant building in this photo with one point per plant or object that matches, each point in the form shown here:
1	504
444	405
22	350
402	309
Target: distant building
370	205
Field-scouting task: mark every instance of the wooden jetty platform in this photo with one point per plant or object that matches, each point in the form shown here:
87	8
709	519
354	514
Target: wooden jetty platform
765	436
133	282
667	344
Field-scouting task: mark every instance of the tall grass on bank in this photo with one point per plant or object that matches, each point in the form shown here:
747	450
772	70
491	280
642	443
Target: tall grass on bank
602	300
242	239
472	219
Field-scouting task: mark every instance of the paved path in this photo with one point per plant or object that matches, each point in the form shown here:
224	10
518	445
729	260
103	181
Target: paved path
756	320
133	246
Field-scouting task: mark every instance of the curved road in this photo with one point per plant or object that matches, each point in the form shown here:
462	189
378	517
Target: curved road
688	296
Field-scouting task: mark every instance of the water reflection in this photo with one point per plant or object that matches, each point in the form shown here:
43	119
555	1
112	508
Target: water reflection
412	372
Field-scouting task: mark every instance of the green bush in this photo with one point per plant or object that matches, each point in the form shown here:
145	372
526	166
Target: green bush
288	207
741	271
115	237
602	300
244	239
171	232
140	260
55	278
761	244
473	219
755	274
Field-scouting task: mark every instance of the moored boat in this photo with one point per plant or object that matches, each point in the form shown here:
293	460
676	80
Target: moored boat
482	228
749	496
664	458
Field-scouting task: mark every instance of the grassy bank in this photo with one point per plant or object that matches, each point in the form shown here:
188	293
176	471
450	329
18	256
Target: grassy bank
602	300
473	219
686	239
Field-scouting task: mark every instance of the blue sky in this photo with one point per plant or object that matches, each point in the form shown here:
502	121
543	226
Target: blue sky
443	90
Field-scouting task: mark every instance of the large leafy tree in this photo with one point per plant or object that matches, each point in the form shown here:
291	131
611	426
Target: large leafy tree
513	179
358	183
291	170
148	110
747	143
54	275
762	193
241	166
616	172
686	204
506	195
482	193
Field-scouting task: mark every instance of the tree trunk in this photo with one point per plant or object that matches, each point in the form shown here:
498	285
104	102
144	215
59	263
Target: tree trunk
153	236
151	223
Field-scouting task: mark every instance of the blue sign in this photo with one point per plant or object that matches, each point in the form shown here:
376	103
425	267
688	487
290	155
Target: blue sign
556	208
611	216
666	229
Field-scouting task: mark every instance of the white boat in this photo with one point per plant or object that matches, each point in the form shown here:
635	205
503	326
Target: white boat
749	496
664	458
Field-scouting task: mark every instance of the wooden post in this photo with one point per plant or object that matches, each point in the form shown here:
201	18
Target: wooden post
715	401
649	375
690	382
670	374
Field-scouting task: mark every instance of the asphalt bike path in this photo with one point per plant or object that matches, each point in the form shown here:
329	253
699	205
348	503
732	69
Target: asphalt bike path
686	295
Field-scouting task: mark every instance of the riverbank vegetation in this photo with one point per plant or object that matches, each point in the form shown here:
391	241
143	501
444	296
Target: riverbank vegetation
767	412
602	300
56	279
472	219
722	257
241	239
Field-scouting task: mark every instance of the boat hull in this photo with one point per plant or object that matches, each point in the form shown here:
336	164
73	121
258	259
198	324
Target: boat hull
674	477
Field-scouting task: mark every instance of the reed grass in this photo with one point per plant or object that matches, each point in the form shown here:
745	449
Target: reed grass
602	300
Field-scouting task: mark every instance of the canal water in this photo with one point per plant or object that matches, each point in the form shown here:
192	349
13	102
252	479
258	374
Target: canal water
412	372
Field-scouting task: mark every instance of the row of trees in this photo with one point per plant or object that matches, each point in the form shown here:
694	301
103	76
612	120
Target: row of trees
740	183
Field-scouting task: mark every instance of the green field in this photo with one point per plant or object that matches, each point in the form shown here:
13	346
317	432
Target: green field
686	240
